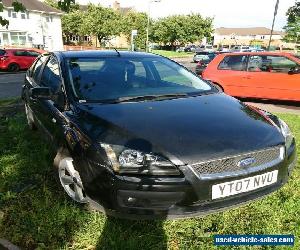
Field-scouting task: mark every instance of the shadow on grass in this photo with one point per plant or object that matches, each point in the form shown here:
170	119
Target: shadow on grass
125	234
35	212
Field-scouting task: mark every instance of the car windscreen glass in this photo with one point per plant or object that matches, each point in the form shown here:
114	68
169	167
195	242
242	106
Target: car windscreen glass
99	79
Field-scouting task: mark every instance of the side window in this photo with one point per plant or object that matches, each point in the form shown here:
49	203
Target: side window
32	53
20	53
167	74
50	76
273	64
37	67
236	62
140	70
281	64
2	52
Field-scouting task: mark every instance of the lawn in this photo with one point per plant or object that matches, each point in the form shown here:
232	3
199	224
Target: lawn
172	54
36	214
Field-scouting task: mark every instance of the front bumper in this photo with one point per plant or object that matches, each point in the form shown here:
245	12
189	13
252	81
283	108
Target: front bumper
137	197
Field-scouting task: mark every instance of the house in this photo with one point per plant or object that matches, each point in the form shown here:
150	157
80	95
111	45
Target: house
256	36
38	27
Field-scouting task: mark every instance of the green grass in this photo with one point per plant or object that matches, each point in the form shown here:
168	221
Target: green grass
171	54
36	214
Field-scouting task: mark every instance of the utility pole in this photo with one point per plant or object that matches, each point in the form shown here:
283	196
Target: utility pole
275	13
148	22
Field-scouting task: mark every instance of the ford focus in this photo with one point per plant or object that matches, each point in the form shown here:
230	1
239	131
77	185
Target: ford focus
139	136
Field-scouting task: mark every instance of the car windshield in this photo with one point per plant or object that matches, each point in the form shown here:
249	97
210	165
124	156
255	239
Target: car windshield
104	79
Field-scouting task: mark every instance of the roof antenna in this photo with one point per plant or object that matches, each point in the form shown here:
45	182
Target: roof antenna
119	55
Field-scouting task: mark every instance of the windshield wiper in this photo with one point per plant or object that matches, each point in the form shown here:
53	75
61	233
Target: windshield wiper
149	97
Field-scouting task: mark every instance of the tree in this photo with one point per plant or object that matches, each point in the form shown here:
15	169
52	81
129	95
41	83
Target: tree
71	6
292	28
135	21
181	29
72	24
104	23
64	5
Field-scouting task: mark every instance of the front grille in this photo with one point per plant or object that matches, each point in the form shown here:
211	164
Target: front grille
230	163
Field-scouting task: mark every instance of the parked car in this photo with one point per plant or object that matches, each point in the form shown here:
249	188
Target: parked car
139	136
16	59
190	48
241	49
202	63
203	55
267	75
207	47
180	49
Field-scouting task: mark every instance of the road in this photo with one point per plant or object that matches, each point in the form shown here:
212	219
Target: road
10	86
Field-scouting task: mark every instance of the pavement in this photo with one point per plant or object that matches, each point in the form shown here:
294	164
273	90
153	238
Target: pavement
11	83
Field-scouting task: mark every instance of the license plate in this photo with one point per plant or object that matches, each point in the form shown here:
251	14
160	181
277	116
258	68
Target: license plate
243	185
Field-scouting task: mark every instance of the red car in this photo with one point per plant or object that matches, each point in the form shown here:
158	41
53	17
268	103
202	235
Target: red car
263	75
16	59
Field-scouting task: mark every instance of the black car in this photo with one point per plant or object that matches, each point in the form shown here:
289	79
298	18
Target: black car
139	136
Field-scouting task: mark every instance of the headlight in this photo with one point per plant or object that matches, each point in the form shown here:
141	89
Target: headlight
286	132
131	161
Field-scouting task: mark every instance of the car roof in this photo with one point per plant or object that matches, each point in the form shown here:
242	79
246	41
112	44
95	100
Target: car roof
258	53
103	53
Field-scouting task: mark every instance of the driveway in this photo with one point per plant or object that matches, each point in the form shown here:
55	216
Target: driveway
11	84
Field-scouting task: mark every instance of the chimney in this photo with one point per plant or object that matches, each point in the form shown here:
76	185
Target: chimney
116	5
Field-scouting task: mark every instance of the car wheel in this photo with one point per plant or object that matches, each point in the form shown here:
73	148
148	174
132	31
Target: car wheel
30	118
13	67
70	180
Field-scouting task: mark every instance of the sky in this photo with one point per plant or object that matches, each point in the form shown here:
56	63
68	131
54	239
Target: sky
226	13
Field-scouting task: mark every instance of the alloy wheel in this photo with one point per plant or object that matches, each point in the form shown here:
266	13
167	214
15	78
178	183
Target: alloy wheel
71	181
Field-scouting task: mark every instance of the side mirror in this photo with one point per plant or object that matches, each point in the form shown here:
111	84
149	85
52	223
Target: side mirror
294	70
43	93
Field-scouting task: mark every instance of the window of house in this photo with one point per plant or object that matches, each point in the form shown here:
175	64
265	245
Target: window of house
18	38
236	62
12	14
87	38
49	19
275	64
24	15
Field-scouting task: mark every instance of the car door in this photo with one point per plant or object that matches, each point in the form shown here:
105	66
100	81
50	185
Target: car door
32	80
269	76
21	58
50	112
30	57
231	74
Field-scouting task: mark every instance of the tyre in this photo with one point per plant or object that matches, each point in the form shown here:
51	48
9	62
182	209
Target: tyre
13	67
70	180
30	118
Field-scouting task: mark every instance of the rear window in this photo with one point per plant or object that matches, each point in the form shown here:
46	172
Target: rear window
236	62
